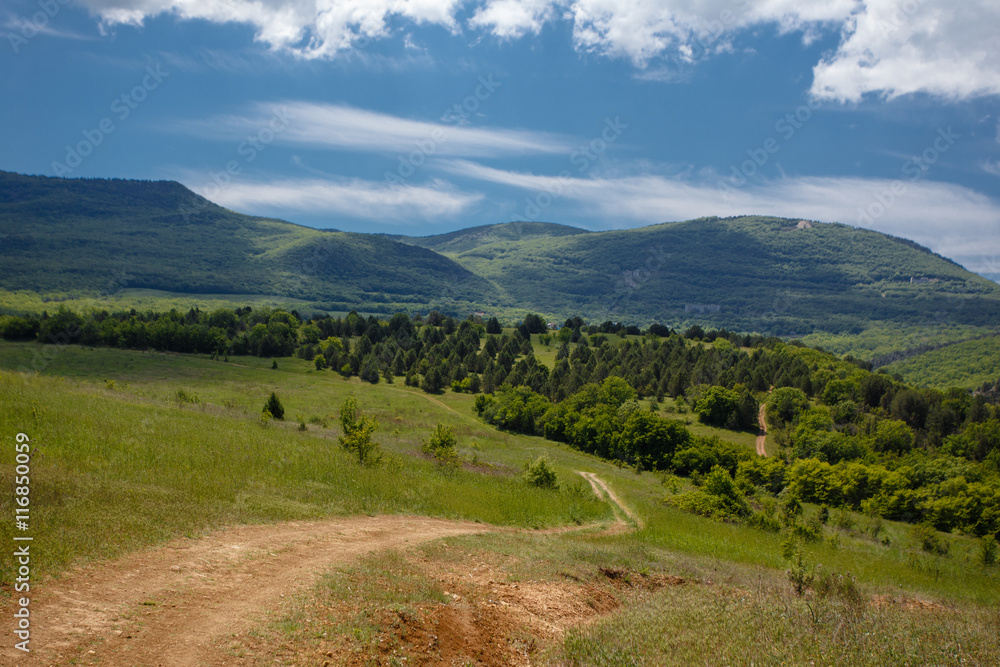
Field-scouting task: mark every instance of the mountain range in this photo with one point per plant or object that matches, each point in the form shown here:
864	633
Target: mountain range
72	237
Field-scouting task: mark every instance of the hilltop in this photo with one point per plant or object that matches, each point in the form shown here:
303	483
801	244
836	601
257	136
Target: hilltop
750	273
67	237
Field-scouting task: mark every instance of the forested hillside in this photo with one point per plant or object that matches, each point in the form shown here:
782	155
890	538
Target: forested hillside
748	273
67	237
847	437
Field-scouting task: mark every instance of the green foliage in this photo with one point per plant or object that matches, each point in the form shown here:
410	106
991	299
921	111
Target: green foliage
988	550
274	407
893	436
540	473
512	408
702	454
184	396
929	539
441	445
357	429
784	404
963	364
800	573
716	405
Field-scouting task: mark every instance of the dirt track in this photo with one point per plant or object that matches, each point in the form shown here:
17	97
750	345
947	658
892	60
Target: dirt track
598	485
177	604
762	434
180	604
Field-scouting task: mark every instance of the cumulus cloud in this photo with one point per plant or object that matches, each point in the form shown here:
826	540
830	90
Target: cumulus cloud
355	198
930	46
950	219
344	127
509	19
890	47
309	28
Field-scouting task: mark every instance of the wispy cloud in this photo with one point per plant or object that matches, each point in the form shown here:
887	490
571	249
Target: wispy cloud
349	128
353	198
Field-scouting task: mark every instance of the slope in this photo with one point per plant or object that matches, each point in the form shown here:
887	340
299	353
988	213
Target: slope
473	237
750	273
80	236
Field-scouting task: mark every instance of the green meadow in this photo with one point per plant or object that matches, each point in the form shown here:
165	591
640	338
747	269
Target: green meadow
132	449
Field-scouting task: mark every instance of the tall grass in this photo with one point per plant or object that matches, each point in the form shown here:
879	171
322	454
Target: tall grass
114	472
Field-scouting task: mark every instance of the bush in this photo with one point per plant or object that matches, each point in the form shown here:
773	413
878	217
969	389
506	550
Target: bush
357	433
184	397
929	540
273	405
988	550
540	473
441	445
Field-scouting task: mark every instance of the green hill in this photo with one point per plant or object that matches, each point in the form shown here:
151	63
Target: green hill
66	238
473	237
93	236
750	273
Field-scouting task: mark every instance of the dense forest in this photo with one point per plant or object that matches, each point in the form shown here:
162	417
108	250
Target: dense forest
848	437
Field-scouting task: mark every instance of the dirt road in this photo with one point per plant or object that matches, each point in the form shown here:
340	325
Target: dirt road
762	434
602	491
178	604
183	603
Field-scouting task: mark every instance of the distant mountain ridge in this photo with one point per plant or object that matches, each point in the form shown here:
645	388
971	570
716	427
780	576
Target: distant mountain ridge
70	235
754	273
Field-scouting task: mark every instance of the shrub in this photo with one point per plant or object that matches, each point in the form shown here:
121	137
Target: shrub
441	445
929	540
800	573
988	550
357	433
540	473
184	397
273	405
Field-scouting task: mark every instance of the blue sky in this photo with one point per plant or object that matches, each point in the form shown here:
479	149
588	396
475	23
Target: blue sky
424	116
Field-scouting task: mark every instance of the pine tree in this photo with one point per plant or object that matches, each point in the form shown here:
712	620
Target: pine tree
273	405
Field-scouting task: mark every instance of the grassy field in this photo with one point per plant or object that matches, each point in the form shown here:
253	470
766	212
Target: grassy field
133	449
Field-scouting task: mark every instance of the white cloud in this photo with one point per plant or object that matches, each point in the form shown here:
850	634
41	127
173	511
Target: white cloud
344	127
950	219
931	46
892	47
308	28
508	19
355	198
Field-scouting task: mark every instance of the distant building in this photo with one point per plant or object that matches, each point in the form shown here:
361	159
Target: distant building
701	308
